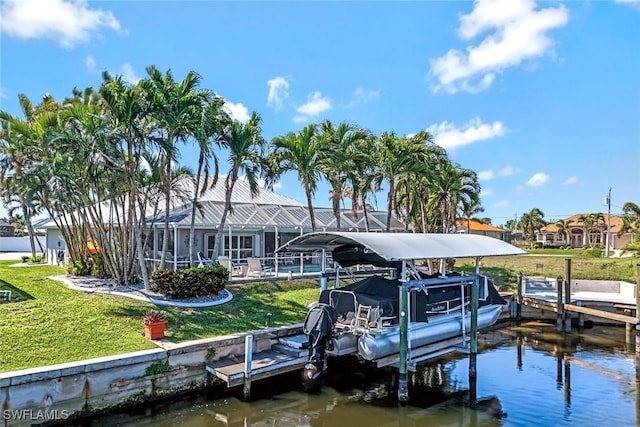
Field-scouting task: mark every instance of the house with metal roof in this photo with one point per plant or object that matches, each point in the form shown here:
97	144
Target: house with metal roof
255	227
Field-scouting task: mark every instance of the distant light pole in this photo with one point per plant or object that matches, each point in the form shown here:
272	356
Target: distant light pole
608	200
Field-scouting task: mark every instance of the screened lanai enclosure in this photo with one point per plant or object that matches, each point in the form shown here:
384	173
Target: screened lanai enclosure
254	229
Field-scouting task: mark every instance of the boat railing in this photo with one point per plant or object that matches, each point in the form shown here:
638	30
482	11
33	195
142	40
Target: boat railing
450	306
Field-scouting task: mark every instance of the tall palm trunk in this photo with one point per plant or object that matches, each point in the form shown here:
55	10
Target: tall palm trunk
167	204
27	223
390	198
192	225
230	182
312	216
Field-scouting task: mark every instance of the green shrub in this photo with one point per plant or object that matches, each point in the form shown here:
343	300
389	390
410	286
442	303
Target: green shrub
593	252
79	268
98	268
37	258
25	258
190	282
537	245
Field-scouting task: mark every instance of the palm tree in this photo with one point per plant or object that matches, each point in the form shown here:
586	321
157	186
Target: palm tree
20	140
175	111
470	209
563	229
453	186
209	136
405	161
128	111
335	143
301	153
630	219
530	223
246	146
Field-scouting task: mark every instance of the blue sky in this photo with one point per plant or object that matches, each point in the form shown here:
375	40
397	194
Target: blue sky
542	99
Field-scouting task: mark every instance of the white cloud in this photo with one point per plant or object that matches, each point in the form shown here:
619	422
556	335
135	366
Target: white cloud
490	174
538	179
316	104
486	192
90	63
501	204
278	92
516	32
129	74
237	111
447	135
361	96
633	3
571	180
3	93
486	175
65	22
507	171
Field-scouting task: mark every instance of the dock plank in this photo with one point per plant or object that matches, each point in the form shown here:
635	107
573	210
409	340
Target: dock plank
264	364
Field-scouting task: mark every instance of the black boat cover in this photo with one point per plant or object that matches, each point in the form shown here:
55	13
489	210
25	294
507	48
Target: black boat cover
383	296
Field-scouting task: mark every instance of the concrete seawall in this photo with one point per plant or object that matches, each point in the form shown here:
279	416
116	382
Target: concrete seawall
58	392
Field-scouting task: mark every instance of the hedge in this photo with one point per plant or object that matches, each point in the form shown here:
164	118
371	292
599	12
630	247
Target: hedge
190	282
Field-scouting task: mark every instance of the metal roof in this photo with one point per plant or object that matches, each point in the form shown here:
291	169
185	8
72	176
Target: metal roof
256	216
407	246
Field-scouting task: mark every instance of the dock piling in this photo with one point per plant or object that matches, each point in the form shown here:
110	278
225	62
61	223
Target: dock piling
567	294
560	306
519	294
248	359
473	342
638	308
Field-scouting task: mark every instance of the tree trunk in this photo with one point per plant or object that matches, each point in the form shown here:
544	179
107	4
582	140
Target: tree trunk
230	182
27	222
390	198
310	206
192	226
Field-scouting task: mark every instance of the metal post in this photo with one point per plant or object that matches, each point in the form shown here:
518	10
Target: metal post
276	253
248	359
608	238
403	390
301	254
323	272
567	294
559	305
638	308
519	297
473	342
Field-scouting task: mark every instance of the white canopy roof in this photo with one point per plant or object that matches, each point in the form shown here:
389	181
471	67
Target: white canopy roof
407	246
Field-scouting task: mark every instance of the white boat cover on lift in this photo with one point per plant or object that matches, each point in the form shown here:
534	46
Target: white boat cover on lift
406	246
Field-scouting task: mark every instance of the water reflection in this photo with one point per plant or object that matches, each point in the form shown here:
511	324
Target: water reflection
527	375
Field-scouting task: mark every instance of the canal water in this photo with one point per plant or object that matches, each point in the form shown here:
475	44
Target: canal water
528	375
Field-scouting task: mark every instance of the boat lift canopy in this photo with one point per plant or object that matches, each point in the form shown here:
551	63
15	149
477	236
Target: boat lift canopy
405	246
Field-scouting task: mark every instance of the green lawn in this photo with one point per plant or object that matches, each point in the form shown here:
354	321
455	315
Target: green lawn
503	270
54	324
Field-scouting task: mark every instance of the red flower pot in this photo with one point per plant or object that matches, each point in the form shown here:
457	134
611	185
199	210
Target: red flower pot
154	330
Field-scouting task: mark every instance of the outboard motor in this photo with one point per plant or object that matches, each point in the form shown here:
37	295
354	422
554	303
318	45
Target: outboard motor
318	325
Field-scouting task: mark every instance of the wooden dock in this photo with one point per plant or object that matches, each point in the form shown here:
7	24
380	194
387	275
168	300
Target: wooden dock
281	358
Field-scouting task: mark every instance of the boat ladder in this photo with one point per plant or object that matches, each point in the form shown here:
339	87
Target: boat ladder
362	316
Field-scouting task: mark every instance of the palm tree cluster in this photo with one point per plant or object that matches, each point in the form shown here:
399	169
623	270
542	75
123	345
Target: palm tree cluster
102	165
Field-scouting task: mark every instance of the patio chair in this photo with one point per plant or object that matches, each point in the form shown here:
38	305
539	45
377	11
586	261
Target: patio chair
203	260
226	262
256	268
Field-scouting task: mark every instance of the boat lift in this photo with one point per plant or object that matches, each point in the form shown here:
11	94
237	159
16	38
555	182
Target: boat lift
399	250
